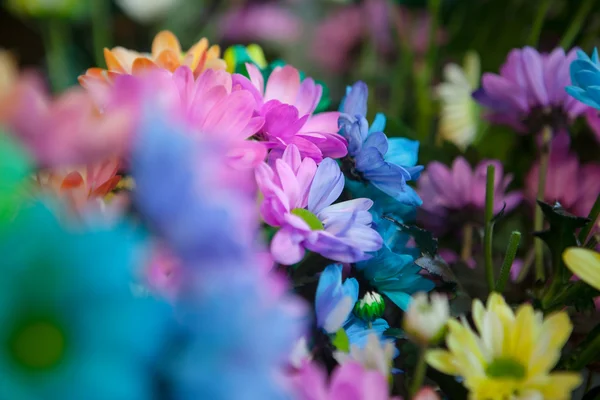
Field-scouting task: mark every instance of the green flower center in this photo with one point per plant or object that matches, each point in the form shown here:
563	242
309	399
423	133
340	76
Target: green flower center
506	368
311	219
37	344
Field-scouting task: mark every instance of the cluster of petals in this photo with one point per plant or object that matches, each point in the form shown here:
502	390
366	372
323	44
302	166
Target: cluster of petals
460	187
287	105
298	198
166	54
67	129
530	91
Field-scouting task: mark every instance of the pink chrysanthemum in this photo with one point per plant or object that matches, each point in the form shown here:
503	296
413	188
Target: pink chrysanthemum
287	105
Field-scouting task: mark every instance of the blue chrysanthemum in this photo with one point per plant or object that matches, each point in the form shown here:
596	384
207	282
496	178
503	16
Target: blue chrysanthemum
385	163
70	326
585	79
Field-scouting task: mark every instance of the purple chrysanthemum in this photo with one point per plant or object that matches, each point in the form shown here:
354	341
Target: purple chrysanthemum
298	199
529	93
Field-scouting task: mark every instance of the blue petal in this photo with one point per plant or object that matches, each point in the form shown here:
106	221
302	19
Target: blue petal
404	152
378	124
377	140
355	102
350	288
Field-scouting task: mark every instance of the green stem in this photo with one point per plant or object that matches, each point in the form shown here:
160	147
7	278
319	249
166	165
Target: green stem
419	376
538	222
100	29
56	41
511	252
582	13
434	7
538	22
487	236
593	216
467	244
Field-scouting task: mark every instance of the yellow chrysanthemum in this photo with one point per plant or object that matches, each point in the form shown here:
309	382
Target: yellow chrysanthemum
511	355
585	264
459	113
166	54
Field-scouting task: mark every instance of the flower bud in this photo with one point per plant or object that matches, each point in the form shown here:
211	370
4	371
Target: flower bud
426	318
370	307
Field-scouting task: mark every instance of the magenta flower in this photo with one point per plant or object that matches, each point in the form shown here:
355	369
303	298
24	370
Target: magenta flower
65	130
461	188
529	93
287	106
573	185
348	381
298	198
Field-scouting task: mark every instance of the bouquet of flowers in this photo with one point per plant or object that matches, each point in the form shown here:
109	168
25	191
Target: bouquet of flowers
210	224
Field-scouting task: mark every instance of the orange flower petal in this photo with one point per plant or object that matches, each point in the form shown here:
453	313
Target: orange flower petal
165	40
112	62
142	64
194	55
168	60
72	180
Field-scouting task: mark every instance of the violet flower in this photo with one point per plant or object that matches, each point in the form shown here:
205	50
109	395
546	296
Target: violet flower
299	200
574	185
461	188
529	93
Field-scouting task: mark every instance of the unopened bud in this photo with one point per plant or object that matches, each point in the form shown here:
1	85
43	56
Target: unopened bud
370	307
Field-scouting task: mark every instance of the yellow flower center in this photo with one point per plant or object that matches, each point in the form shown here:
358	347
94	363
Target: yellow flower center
506	368
37	344
311	219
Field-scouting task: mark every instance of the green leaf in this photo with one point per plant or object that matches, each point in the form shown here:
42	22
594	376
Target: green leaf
561	234
341	341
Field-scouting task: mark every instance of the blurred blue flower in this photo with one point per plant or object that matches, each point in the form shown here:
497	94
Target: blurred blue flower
235	341
386	163
70	326
334	301
236	326
170	169
585	79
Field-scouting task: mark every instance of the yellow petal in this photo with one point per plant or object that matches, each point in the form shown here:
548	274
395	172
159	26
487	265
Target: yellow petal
442	360
256	54
585	264
165	40
559	385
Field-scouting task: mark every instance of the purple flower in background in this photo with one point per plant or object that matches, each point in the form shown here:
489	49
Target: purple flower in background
529	93
574	185
303	207
270	22
461	188
349	381
593	119
334	301
386	163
